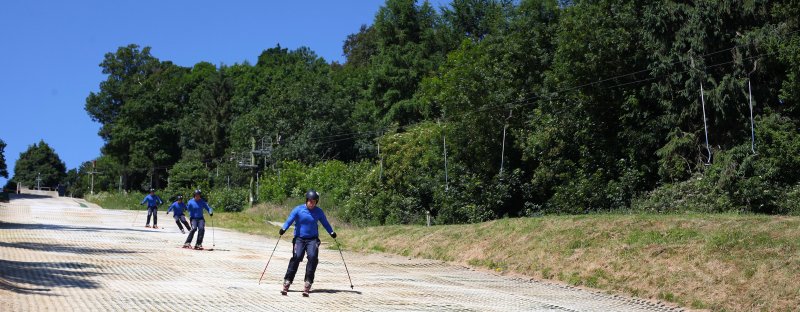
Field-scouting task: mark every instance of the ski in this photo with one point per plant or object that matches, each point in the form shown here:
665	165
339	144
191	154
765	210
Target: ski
198	249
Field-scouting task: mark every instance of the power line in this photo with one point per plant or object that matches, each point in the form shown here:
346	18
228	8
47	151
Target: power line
536	96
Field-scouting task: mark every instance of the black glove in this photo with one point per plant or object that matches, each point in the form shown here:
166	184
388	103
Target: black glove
333	234
211	214
281	231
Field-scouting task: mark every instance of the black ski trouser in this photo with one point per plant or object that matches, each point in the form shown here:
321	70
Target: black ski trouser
198	225
309	246
151	211
181	219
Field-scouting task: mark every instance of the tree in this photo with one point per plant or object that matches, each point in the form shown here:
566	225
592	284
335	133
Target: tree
39	161
409	48
361	46
3	167
207	117
297	104
137	106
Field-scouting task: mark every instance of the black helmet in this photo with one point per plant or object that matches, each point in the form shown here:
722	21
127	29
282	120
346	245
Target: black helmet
179	197
197	192
152	190
312	194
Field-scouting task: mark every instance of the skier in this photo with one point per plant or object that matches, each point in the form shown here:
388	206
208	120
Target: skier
178	208
195	207
152	201
306	239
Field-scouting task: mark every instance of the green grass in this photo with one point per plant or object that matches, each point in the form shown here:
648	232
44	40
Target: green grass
715	261
126	201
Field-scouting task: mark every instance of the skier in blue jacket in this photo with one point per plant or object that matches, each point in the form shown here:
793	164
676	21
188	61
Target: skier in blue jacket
306	239
152	201
178	208
196	206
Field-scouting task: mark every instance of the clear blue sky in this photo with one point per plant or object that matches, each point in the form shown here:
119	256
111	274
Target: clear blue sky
50	51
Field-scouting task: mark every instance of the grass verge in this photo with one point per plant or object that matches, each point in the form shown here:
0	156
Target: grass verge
702	261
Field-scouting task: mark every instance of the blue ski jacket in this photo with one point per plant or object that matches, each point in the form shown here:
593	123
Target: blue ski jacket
179	208
196	207
305	221
152	200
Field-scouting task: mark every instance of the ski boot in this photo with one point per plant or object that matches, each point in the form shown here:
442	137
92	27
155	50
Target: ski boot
198	247
306	289
285	289
187	245
155	226
147	226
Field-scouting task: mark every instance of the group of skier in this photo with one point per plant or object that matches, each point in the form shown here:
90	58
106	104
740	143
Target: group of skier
304	217
195	207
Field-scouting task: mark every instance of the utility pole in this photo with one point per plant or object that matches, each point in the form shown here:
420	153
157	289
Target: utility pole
38	181
264	149
380	159
503	150
444	149
92	173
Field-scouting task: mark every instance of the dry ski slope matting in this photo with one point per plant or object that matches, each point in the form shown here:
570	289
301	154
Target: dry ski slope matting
61	254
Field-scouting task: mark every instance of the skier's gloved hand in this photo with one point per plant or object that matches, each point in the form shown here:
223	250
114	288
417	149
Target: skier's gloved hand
333	234
211	214
281	231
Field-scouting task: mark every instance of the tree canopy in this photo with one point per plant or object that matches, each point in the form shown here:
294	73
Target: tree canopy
39	163
542	106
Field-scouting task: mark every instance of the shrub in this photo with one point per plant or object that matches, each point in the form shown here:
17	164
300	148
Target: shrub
277	184
188	174
739	180
693	195
790	202
231	200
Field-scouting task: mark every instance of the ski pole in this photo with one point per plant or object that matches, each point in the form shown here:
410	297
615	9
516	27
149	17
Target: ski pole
345	263
135	216
213	239
270	259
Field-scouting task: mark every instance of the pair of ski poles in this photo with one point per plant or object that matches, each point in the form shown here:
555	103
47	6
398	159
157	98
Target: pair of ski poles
276	247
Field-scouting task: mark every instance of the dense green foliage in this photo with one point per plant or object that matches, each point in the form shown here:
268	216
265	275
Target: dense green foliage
39	163
228	200
541	106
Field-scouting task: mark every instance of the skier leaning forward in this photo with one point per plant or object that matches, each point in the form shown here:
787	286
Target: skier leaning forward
152	201
306	239
195	207
178	208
